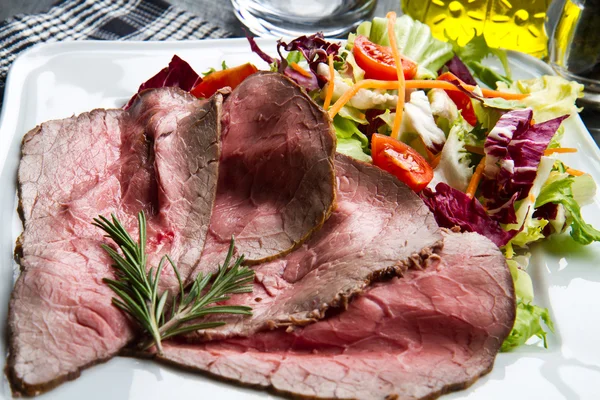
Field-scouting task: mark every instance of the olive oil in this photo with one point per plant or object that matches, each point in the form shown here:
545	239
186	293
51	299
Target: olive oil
509	24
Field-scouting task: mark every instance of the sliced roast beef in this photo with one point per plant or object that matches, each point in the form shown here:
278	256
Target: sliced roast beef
379	227
276	176
427	333
161	156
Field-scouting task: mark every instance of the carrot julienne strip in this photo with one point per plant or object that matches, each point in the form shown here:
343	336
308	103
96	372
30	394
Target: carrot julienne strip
435	160
547	152
365	84
575	172
410	84
391	23
475	149
475	179
435	84
329	93
300	70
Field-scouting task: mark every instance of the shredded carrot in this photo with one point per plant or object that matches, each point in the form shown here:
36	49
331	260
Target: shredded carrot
329	93
430	154
547	152
413	84
435	160
391	28
475	179
433	84
475	149
575	172
366	84
300	70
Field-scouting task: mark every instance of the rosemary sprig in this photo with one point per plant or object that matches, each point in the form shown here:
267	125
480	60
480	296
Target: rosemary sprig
138	289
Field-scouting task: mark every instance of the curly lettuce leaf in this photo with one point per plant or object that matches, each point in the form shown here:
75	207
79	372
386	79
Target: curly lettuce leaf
454	167
350	140
414	40
559	191
549	96
528	323
474	52
529	318
419	119
443	109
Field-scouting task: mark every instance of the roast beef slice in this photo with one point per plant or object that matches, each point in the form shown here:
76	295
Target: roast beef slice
276	176
161	157
380	227
416	337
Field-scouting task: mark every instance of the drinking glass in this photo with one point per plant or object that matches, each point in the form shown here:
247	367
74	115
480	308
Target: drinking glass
575	47
302	17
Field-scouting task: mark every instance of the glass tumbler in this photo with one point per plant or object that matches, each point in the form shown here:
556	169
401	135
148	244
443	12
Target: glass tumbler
302	17
575	47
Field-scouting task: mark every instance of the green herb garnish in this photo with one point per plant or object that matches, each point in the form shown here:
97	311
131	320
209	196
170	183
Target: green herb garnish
139	294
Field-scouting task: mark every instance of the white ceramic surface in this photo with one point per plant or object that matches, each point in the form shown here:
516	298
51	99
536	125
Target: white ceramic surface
58	80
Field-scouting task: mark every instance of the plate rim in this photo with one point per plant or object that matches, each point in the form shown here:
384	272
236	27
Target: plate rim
17	73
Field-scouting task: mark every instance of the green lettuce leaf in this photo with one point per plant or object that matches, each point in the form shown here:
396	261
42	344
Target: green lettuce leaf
443	109
522	280
350	140
414	40
474	52
558	190
531	232
454	167
528	323
549	96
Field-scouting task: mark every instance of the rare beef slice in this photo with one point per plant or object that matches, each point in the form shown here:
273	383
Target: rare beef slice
379	227
160	157
276	176
424	334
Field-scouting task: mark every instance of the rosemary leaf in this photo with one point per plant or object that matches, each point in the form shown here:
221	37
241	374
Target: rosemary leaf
138	288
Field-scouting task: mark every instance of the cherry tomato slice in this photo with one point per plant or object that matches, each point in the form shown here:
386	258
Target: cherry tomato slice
401	160
378	61
219	79
462	100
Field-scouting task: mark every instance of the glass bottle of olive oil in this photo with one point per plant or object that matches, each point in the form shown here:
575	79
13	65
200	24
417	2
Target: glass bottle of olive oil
510	24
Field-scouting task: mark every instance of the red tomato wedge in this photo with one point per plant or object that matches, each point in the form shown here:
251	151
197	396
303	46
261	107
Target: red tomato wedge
401	160
378	61
219	79
462	100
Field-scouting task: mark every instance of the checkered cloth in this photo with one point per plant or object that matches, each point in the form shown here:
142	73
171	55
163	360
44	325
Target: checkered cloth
100	19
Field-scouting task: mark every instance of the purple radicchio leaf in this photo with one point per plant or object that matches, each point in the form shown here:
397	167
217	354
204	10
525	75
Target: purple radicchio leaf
451	208
308	82
315	50
264	56
548	211
460	70
513	150
177	74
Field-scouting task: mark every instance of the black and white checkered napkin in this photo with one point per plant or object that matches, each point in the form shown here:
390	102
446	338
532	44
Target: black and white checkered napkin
100	19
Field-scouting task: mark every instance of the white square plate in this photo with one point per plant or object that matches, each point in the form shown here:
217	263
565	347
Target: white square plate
58	80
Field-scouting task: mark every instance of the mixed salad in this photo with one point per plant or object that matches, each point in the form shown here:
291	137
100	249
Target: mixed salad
482	151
